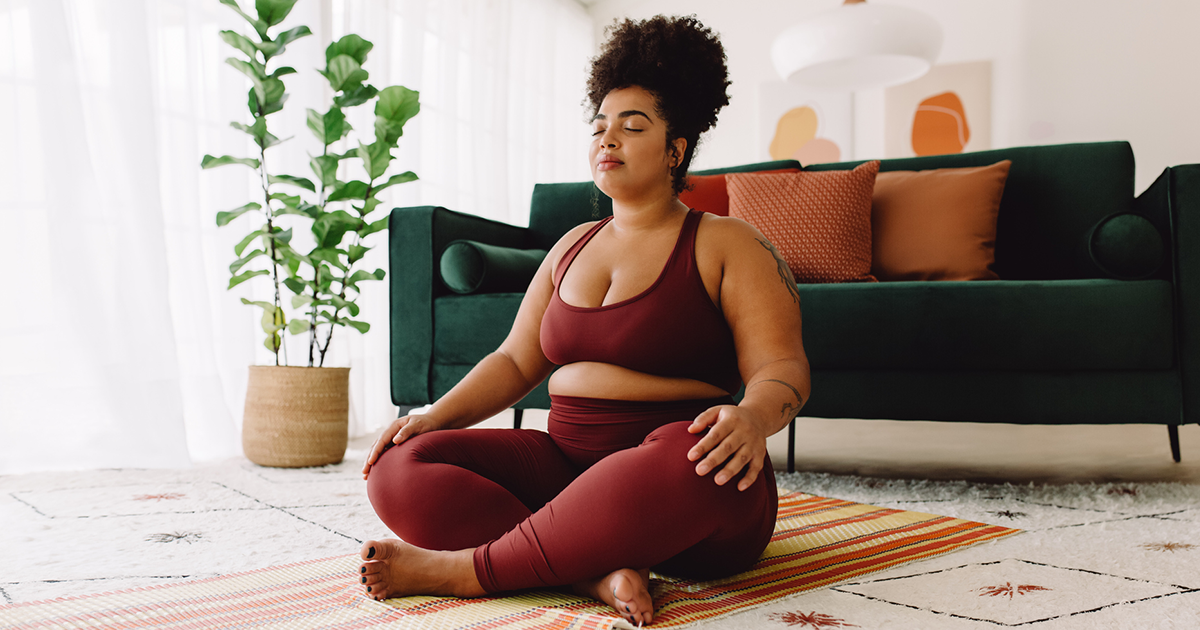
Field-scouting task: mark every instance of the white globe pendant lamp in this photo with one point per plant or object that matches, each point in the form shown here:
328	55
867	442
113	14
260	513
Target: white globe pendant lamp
857	46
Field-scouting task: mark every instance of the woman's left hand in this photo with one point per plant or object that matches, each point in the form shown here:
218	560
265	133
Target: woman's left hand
735	435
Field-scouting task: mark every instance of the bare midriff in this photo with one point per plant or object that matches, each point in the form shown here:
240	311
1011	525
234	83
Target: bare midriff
604	380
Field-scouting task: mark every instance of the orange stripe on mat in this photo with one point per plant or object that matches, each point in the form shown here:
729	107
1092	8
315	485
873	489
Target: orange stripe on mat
818	542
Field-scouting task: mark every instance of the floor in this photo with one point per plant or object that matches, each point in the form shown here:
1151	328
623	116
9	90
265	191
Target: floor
970	451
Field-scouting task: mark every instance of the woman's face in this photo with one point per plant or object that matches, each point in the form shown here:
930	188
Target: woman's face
628	154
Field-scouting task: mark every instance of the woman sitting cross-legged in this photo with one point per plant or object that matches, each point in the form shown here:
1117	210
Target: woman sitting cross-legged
655	315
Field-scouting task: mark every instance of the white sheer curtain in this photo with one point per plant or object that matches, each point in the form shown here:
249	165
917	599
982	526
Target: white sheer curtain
119	343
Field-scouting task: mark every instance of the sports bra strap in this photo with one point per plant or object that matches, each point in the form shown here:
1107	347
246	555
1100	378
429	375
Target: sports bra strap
573	251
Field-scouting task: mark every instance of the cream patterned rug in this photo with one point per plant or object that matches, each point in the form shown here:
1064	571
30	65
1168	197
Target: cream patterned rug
1091	556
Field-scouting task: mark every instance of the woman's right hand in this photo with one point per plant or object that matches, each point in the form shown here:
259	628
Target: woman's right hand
396	433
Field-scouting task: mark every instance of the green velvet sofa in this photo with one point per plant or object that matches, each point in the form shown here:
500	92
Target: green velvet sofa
1056	340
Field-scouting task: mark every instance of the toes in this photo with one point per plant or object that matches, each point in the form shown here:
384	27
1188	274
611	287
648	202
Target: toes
370	550
370	567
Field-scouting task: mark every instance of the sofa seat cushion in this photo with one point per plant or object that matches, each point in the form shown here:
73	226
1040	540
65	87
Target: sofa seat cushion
1046	325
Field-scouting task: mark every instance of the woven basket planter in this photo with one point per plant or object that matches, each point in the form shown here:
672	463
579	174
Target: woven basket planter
296	416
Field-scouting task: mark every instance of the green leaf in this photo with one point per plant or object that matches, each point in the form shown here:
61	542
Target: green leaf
356	96
297	286
402	178
252	69
273	342
258	303
377	226
349	190
281	235
361	276
361	327
289	36
212	162
293	265
240	247
297	326
293	201
292	180
376	157
368	205
330	255
325	168
299	301
264	109
357	252
240	42
273	11
396	106
236	280
269	91
343	72
352	45
259	25
303	210
223	218
281	71
346	304
273	319
380	274
241	262
330	126
262	137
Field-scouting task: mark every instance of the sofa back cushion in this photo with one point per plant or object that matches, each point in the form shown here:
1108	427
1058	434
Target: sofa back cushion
1053	196
936	224
556	208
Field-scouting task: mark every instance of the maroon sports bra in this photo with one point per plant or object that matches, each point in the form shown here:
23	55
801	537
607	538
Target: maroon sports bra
671	329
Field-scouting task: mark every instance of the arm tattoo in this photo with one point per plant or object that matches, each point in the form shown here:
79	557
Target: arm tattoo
785	274
789	410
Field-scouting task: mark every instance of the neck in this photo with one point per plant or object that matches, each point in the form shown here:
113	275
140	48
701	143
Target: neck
631	216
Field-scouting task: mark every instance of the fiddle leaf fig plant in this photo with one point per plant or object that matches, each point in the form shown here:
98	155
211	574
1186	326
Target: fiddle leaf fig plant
323	281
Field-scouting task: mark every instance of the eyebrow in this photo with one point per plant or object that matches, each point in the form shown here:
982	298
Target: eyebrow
624	114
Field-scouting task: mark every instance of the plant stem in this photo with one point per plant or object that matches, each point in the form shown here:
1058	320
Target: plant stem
262	171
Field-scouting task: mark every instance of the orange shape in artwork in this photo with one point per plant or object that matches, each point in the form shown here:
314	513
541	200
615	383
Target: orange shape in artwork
793	130
940	125
817	151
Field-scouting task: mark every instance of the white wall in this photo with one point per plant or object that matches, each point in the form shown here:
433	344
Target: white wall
1062	71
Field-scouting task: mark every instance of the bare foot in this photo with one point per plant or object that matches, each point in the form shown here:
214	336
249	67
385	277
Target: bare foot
394	568
626	590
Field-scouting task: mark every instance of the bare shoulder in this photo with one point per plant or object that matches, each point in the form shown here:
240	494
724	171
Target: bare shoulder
731	239
565	243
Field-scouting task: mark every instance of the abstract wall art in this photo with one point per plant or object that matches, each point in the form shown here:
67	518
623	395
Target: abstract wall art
811	126
949	110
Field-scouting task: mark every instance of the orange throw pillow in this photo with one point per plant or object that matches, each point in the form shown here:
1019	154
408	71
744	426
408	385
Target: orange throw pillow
820	221
938	224
709	195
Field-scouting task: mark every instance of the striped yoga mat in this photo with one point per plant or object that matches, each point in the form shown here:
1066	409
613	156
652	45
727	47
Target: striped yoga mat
818	542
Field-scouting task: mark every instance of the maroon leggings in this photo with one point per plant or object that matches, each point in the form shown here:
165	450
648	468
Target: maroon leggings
609	487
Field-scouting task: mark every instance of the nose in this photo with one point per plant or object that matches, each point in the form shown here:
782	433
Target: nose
607	140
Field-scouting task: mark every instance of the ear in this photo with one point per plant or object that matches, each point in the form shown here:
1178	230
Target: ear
678	147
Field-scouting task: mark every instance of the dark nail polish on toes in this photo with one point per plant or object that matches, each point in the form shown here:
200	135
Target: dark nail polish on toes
364	580
368	589
362	569
371	552
627	609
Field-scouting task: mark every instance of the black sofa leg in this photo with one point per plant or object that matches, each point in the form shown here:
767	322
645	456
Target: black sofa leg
1173	433
517	413
792	446
405	410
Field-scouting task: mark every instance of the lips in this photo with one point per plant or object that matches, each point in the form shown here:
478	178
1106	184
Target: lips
607	163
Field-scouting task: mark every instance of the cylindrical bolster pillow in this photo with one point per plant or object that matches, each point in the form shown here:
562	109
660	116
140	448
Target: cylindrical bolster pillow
1126	246
473	267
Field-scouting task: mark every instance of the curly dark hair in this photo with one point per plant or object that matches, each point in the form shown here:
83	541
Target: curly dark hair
680	62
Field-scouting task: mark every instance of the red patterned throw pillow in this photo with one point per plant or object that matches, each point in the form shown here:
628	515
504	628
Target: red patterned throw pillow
820	221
